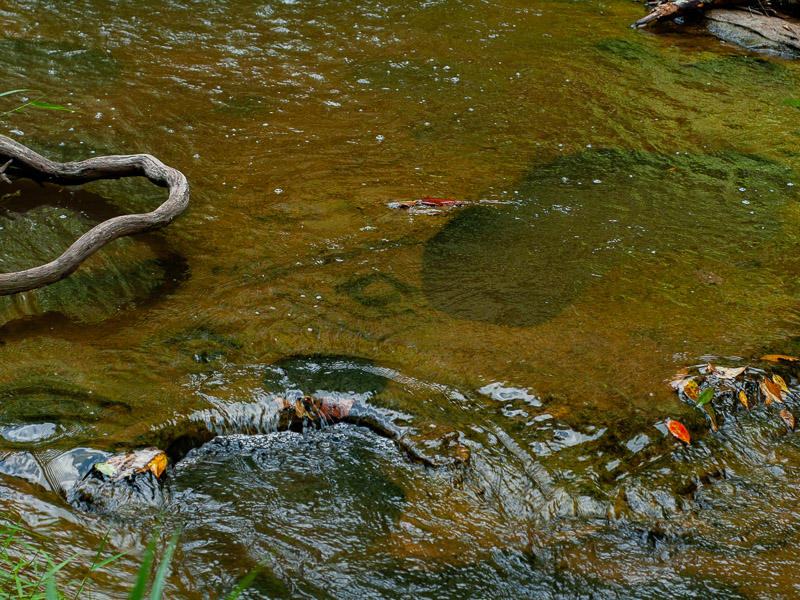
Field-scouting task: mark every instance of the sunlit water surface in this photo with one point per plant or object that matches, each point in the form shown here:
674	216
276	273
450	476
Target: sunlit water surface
633	210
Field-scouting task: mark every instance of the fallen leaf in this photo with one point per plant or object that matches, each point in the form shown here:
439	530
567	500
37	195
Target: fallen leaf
676	381
691	389
787	417
770	390
709	408
778	380
729	372
780	357
130	463
679	431
157	465
339	409
442	202
300	409
705	397
775	389
105	469
743	399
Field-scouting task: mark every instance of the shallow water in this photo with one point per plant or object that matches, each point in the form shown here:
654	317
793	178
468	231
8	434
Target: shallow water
633	211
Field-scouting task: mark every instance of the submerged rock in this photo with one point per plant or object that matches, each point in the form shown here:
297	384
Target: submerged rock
570	222
127	480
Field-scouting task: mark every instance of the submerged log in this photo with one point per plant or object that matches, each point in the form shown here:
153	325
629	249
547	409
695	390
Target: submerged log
21	161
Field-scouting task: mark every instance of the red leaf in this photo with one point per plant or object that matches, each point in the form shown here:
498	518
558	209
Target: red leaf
679	431
442	202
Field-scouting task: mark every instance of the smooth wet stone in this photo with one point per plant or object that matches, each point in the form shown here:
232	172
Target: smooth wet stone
437	445
34	432
123	483
756	32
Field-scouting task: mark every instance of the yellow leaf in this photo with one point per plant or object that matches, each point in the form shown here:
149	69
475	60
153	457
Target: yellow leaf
780	358
743	399
691	389
780	382
157	465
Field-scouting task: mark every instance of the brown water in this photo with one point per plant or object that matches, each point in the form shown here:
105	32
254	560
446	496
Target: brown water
633	210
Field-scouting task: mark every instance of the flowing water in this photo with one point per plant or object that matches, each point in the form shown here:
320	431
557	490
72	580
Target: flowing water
633	210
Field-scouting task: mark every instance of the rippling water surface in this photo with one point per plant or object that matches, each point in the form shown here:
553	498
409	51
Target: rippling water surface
632	211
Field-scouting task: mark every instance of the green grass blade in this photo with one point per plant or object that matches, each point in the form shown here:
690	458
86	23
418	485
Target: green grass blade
14	92
137	593
50	589
163	567
248	579
49	105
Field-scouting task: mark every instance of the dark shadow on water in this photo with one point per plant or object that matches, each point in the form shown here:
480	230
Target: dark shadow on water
571	221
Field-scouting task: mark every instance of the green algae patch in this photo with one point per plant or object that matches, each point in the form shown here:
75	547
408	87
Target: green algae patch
570	222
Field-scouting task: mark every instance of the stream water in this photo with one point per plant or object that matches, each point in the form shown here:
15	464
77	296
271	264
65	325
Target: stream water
633	210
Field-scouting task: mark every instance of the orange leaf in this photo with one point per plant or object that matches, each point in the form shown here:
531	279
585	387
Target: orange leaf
770	390
780	382
787	417
157	465
679	431
691	389
780	357
743	399
775	389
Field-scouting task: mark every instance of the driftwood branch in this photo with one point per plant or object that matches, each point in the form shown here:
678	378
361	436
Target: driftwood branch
27	163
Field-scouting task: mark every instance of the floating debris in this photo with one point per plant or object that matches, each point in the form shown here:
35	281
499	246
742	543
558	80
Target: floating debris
428	202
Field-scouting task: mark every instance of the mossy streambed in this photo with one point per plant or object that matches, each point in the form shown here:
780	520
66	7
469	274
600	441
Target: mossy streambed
633	210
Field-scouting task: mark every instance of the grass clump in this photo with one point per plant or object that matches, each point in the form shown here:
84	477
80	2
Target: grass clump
28	573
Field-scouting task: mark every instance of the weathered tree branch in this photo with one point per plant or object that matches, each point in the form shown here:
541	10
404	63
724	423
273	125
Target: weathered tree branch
27	163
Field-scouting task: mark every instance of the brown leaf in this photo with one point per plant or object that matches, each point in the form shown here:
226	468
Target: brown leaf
743	399
780	358
676	381
338	409
300	409
729	372
148	459
691	389
787	417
